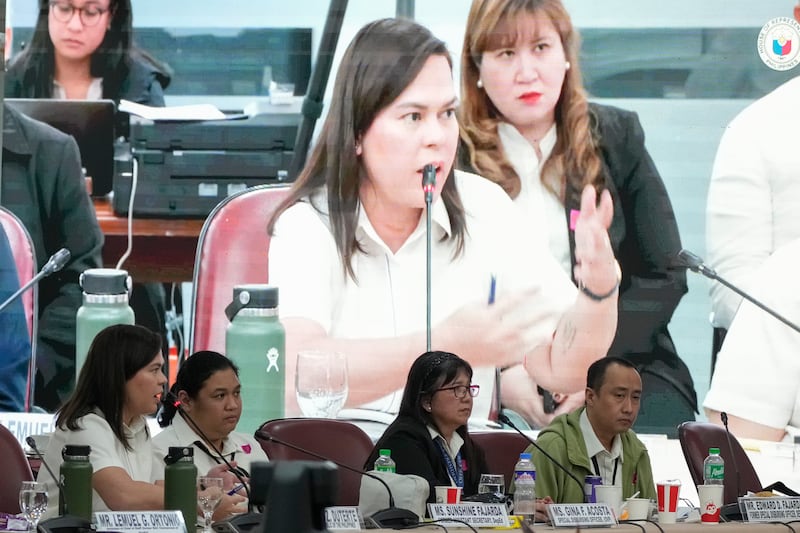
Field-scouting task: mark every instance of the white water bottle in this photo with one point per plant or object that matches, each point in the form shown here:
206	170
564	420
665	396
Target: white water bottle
525	497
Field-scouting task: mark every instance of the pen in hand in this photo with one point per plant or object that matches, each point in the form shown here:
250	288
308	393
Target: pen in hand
236	489
492	289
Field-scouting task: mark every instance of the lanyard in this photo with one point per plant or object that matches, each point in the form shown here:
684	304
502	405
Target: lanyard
456	474
217	459
597	469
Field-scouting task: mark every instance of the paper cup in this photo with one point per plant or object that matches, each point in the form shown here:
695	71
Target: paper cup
448	495
611	495
710	497
668	492
638	508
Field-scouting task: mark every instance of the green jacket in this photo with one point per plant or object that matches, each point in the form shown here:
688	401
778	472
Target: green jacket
563	440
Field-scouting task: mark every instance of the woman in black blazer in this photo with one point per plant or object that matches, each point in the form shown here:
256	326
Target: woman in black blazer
429	438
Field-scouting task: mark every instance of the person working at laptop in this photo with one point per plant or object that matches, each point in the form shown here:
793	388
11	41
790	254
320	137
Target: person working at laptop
82	50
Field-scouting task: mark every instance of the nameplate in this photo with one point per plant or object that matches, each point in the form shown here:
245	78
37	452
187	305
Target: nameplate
580	514
771	509
140	521
23	425
342	518
474	514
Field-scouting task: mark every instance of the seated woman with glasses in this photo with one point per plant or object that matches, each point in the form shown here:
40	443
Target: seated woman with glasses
429	437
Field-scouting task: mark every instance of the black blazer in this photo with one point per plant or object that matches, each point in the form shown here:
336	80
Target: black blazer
644	235
414	452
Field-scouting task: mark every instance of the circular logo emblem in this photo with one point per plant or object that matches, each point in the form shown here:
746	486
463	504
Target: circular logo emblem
779	43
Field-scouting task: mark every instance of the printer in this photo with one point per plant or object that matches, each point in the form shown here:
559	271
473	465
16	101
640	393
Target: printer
184	169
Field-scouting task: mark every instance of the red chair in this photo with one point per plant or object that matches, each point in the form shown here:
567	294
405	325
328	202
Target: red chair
232	250
25	258
502	449
15	470
337	440
697	437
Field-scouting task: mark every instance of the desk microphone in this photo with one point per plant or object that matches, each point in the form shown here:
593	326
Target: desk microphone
63	523
54	264
507	421
428	187
724	417
695	263
392	517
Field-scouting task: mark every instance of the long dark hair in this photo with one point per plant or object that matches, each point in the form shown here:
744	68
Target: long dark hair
193	374
111	61
116	354
383	59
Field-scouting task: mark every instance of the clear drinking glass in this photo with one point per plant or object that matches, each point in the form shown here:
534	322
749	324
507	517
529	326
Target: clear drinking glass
492	484
321	383
32	502
209	494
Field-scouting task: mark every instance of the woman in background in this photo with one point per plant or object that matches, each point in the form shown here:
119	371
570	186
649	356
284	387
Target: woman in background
84	51
429	438
527	126
208	390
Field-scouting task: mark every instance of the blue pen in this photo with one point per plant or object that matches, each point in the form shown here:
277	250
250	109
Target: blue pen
236	489
492	289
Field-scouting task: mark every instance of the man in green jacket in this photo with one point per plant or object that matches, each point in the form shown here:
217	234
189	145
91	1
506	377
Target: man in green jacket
597	439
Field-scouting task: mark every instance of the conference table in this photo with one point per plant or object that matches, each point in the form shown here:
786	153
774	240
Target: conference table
731	527
163	248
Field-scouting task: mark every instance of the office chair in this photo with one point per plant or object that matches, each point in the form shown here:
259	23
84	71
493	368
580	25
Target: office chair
15	470
337	440
697	437
232	249
25	259
502	449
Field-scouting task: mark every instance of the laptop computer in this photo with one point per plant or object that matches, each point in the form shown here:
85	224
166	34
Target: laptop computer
90	122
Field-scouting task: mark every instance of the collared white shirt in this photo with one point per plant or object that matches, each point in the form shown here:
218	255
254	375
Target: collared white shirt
605	460
452	447
237	446
539	206
94	92
388	299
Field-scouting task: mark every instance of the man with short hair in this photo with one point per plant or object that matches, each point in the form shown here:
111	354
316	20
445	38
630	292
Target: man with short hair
597	439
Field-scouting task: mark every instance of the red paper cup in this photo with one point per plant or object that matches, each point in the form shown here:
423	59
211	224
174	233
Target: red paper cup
448	495
668	492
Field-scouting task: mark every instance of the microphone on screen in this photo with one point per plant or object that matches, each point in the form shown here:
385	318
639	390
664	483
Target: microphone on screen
507	421
695	263
428	187
391	517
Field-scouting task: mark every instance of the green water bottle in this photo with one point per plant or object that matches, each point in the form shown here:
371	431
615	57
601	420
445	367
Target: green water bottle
76	480
180	484
256	341
105	303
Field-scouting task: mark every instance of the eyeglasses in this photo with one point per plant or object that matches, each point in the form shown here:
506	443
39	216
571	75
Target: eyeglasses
460	391
90	15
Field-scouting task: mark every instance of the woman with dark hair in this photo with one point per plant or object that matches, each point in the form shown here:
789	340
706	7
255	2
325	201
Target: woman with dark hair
120	382
429	438
86	52
348	246
208	389
527	126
